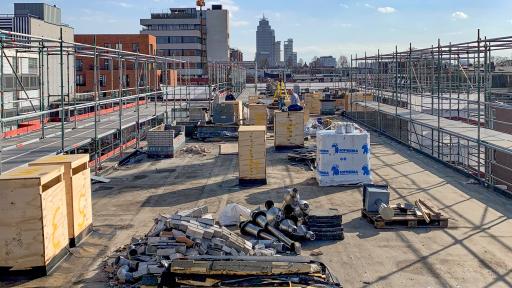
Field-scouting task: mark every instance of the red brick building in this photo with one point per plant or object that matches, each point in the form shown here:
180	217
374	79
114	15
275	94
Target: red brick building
108	77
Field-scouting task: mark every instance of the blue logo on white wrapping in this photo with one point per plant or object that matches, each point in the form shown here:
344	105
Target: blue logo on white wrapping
339	150
335	169
366	170
365	149
324	151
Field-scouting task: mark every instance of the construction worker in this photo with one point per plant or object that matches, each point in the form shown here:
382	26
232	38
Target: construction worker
230	96
295	103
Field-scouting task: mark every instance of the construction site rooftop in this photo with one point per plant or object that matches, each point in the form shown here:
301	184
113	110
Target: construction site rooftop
475	250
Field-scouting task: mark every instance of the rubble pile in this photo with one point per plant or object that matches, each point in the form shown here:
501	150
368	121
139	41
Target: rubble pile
196	150
185	234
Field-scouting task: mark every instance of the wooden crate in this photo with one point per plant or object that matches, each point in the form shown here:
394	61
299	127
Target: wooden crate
258	114
254	99
238	110
77	179
33	220
312	101
252	154
288	129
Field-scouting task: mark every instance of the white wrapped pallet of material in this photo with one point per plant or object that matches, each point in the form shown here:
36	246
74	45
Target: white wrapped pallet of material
343	158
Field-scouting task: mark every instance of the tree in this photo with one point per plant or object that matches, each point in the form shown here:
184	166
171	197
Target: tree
342	61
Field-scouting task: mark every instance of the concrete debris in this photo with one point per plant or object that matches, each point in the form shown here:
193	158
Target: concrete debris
316	253
196	150
187	233
231	213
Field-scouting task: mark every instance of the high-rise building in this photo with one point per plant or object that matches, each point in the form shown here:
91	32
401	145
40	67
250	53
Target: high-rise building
277	53
191	35
290	59
265	44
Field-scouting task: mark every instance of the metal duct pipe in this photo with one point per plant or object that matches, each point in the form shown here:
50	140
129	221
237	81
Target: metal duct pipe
303	232
121	261
274	216
124	275
250	229
259	217
386	212
288	226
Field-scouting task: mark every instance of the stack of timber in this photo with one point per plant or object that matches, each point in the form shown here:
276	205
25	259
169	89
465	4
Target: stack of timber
421	215
77	180
252	155
355	97
312	101
33	220
288	129
258	114
165	140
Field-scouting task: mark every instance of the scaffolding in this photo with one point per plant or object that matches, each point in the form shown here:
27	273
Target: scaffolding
104	122
448	101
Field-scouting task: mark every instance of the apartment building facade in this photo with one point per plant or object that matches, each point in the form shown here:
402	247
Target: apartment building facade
107	79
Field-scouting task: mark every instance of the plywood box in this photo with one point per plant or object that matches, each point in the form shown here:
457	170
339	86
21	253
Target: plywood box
33	220
77	180
312	101
254	99
258	114
288	129
252	153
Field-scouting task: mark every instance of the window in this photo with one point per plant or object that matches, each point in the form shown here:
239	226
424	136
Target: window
79	64
103	80
191	39
119	46
80	80
107	45
135	47
151	50
106	64
32	65
175	39
162	40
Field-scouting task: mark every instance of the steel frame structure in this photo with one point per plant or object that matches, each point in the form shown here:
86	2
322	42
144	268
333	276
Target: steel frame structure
178	96
441	101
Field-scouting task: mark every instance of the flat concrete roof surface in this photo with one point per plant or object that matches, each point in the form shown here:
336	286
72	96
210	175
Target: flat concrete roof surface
475	251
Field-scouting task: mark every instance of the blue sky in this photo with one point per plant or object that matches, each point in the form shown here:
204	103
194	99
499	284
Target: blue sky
319	27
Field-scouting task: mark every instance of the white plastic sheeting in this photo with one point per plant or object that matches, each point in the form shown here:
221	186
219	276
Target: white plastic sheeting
230	215
343	158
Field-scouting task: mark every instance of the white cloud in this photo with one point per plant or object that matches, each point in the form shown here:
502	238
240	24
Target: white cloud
459	15
239	23
386	10
368	5
123	4
344	5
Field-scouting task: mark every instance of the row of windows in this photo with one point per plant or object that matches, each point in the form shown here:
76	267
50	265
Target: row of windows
173	27
177	39
178	52
30	82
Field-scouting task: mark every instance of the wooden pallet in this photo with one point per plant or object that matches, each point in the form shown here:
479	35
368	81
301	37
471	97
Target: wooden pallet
404	220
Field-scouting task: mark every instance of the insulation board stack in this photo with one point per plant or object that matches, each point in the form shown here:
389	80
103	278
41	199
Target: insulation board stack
343	157
253	99
165	140
258	114
288	129
252	154
77	180
312	101
328	107
33	220
228	112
